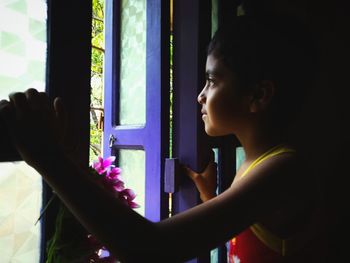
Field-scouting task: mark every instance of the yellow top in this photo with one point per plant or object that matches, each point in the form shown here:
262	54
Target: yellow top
270	153
281	246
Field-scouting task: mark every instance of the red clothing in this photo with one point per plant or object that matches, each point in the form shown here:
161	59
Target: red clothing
247	248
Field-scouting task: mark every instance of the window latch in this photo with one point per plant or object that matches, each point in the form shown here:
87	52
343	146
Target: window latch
112	140
171	175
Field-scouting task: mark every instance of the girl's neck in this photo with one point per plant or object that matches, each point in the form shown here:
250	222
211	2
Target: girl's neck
258	141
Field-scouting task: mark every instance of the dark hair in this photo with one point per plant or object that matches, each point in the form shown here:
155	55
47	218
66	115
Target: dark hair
274	48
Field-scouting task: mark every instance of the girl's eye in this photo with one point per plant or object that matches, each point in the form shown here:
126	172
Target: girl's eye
210	81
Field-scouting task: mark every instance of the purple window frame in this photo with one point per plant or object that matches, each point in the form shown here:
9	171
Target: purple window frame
153	137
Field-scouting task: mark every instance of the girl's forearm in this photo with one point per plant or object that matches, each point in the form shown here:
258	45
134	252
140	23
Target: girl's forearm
127	234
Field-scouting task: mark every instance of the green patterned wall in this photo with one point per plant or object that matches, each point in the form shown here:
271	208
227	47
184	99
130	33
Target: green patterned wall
22	45
22	65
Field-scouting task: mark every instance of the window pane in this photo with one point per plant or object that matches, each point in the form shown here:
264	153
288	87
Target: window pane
214	254
132	163
22	65
240	156
133	62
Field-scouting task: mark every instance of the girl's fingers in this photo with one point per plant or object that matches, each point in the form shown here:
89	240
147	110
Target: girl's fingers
38	104
20	103
211	167
30	100
6	110
193	175
61	118
5	106
60	110
33	99
44	101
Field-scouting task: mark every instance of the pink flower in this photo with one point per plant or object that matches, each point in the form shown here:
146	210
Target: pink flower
101	166
111	180
113	174
127	196
119	186
114	186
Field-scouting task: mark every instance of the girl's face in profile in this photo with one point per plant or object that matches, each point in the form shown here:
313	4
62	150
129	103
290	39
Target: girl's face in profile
223	109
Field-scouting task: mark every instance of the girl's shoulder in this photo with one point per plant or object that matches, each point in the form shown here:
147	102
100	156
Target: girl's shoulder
283	162
281	179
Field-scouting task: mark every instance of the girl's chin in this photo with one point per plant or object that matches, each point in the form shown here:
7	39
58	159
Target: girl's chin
211	132
214	132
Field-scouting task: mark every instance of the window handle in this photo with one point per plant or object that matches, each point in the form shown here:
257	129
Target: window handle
111	141
171	175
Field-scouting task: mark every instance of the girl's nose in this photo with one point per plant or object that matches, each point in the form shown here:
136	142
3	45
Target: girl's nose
201	97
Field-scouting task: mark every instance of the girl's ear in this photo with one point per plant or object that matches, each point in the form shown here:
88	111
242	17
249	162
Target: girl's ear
262	95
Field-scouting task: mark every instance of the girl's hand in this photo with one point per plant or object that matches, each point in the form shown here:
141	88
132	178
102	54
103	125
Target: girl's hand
35	125
206	182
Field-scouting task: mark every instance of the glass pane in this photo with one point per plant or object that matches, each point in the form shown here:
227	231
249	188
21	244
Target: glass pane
133	62
132	163
240	157
22	65
214	254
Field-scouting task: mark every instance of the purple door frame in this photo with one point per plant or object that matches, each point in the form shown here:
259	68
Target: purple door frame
153	137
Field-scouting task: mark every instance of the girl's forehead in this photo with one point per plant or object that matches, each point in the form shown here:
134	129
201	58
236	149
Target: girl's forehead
212	60
216	66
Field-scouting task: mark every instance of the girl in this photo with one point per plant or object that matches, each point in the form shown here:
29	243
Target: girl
256	70
254	89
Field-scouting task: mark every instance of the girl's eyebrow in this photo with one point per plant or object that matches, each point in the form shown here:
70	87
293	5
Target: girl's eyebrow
214	73
210	72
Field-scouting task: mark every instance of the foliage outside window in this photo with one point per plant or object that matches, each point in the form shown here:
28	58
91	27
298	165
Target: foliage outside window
97	56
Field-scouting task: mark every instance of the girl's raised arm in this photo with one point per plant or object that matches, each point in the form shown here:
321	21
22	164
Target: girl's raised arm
32	122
